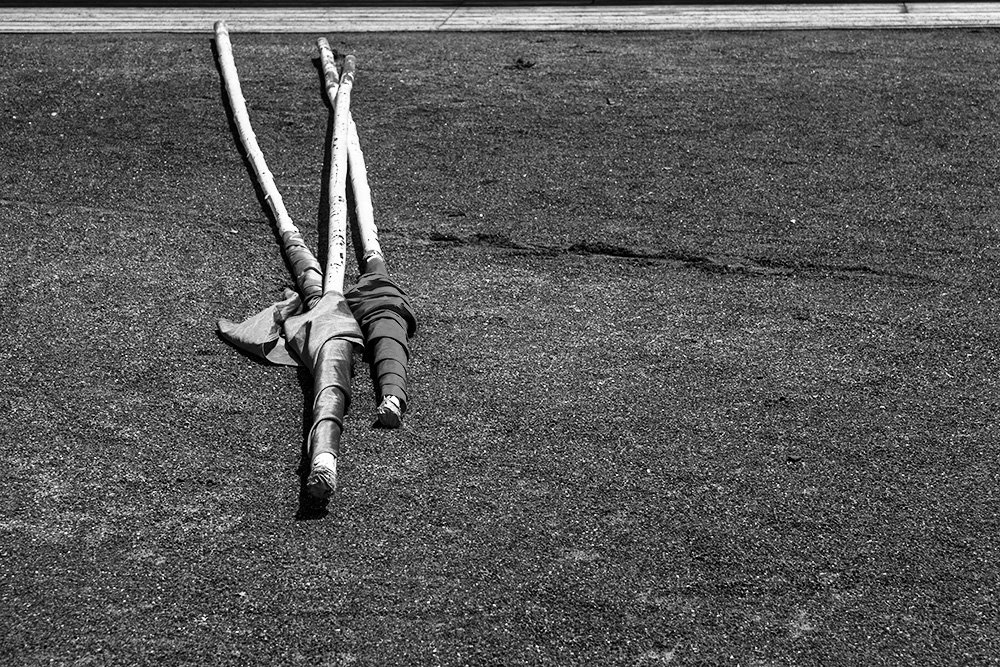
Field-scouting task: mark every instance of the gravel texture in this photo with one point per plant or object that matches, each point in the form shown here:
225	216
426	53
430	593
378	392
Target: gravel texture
707	370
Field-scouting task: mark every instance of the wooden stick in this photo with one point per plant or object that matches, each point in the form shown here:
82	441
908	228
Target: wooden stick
331	76
336	258
306	269
357	170
362	196
388	354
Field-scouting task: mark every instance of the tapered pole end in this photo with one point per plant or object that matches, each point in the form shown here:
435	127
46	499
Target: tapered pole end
322	480
390	413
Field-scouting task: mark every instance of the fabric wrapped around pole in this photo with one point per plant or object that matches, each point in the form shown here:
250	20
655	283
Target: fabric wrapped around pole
307	332
324	339
388	321
285	333
305	267
331	395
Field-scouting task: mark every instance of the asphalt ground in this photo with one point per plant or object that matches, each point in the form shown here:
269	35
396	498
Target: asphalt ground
707	369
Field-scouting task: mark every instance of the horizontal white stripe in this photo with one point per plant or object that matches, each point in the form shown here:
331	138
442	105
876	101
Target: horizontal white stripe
564	17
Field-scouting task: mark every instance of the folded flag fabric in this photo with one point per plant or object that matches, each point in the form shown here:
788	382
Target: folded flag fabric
261	335
286	333
387	321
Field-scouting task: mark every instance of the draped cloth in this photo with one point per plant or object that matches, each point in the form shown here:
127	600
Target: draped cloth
322	339
387	321
286	333
374	316
261	335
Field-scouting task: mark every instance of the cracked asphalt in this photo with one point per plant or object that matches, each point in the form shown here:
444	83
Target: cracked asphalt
707	369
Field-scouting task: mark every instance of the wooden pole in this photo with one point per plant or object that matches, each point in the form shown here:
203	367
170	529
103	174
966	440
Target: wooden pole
357	171
306	269
363	208
336	258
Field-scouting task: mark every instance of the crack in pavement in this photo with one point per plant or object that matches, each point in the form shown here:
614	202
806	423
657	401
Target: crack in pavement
711	263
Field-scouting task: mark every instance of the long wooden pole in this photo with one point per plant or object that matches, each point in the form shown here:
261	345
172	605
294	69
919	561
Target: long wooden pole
306	269
376	301
336	258
332	380
357	170
363	208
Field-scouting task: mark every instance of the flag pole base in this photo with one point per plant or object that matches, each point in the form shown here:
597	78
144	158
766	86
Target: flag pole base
389	413
322	480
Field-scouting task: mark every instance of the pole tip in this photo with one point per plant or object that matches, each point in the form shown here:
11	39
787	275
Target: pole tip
390	413
322	480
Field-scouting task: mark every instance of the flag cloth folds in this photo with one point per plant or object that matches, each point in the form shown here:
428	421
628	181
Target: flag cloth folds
322	339
387	320
286	333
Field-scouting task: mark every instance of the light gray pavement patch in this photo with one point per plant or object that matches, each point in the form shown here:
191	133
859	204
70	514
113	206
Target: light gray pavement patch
525	18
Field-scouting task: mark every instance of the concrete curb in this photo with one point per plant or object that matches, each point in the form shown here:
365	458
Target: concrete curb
479	18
